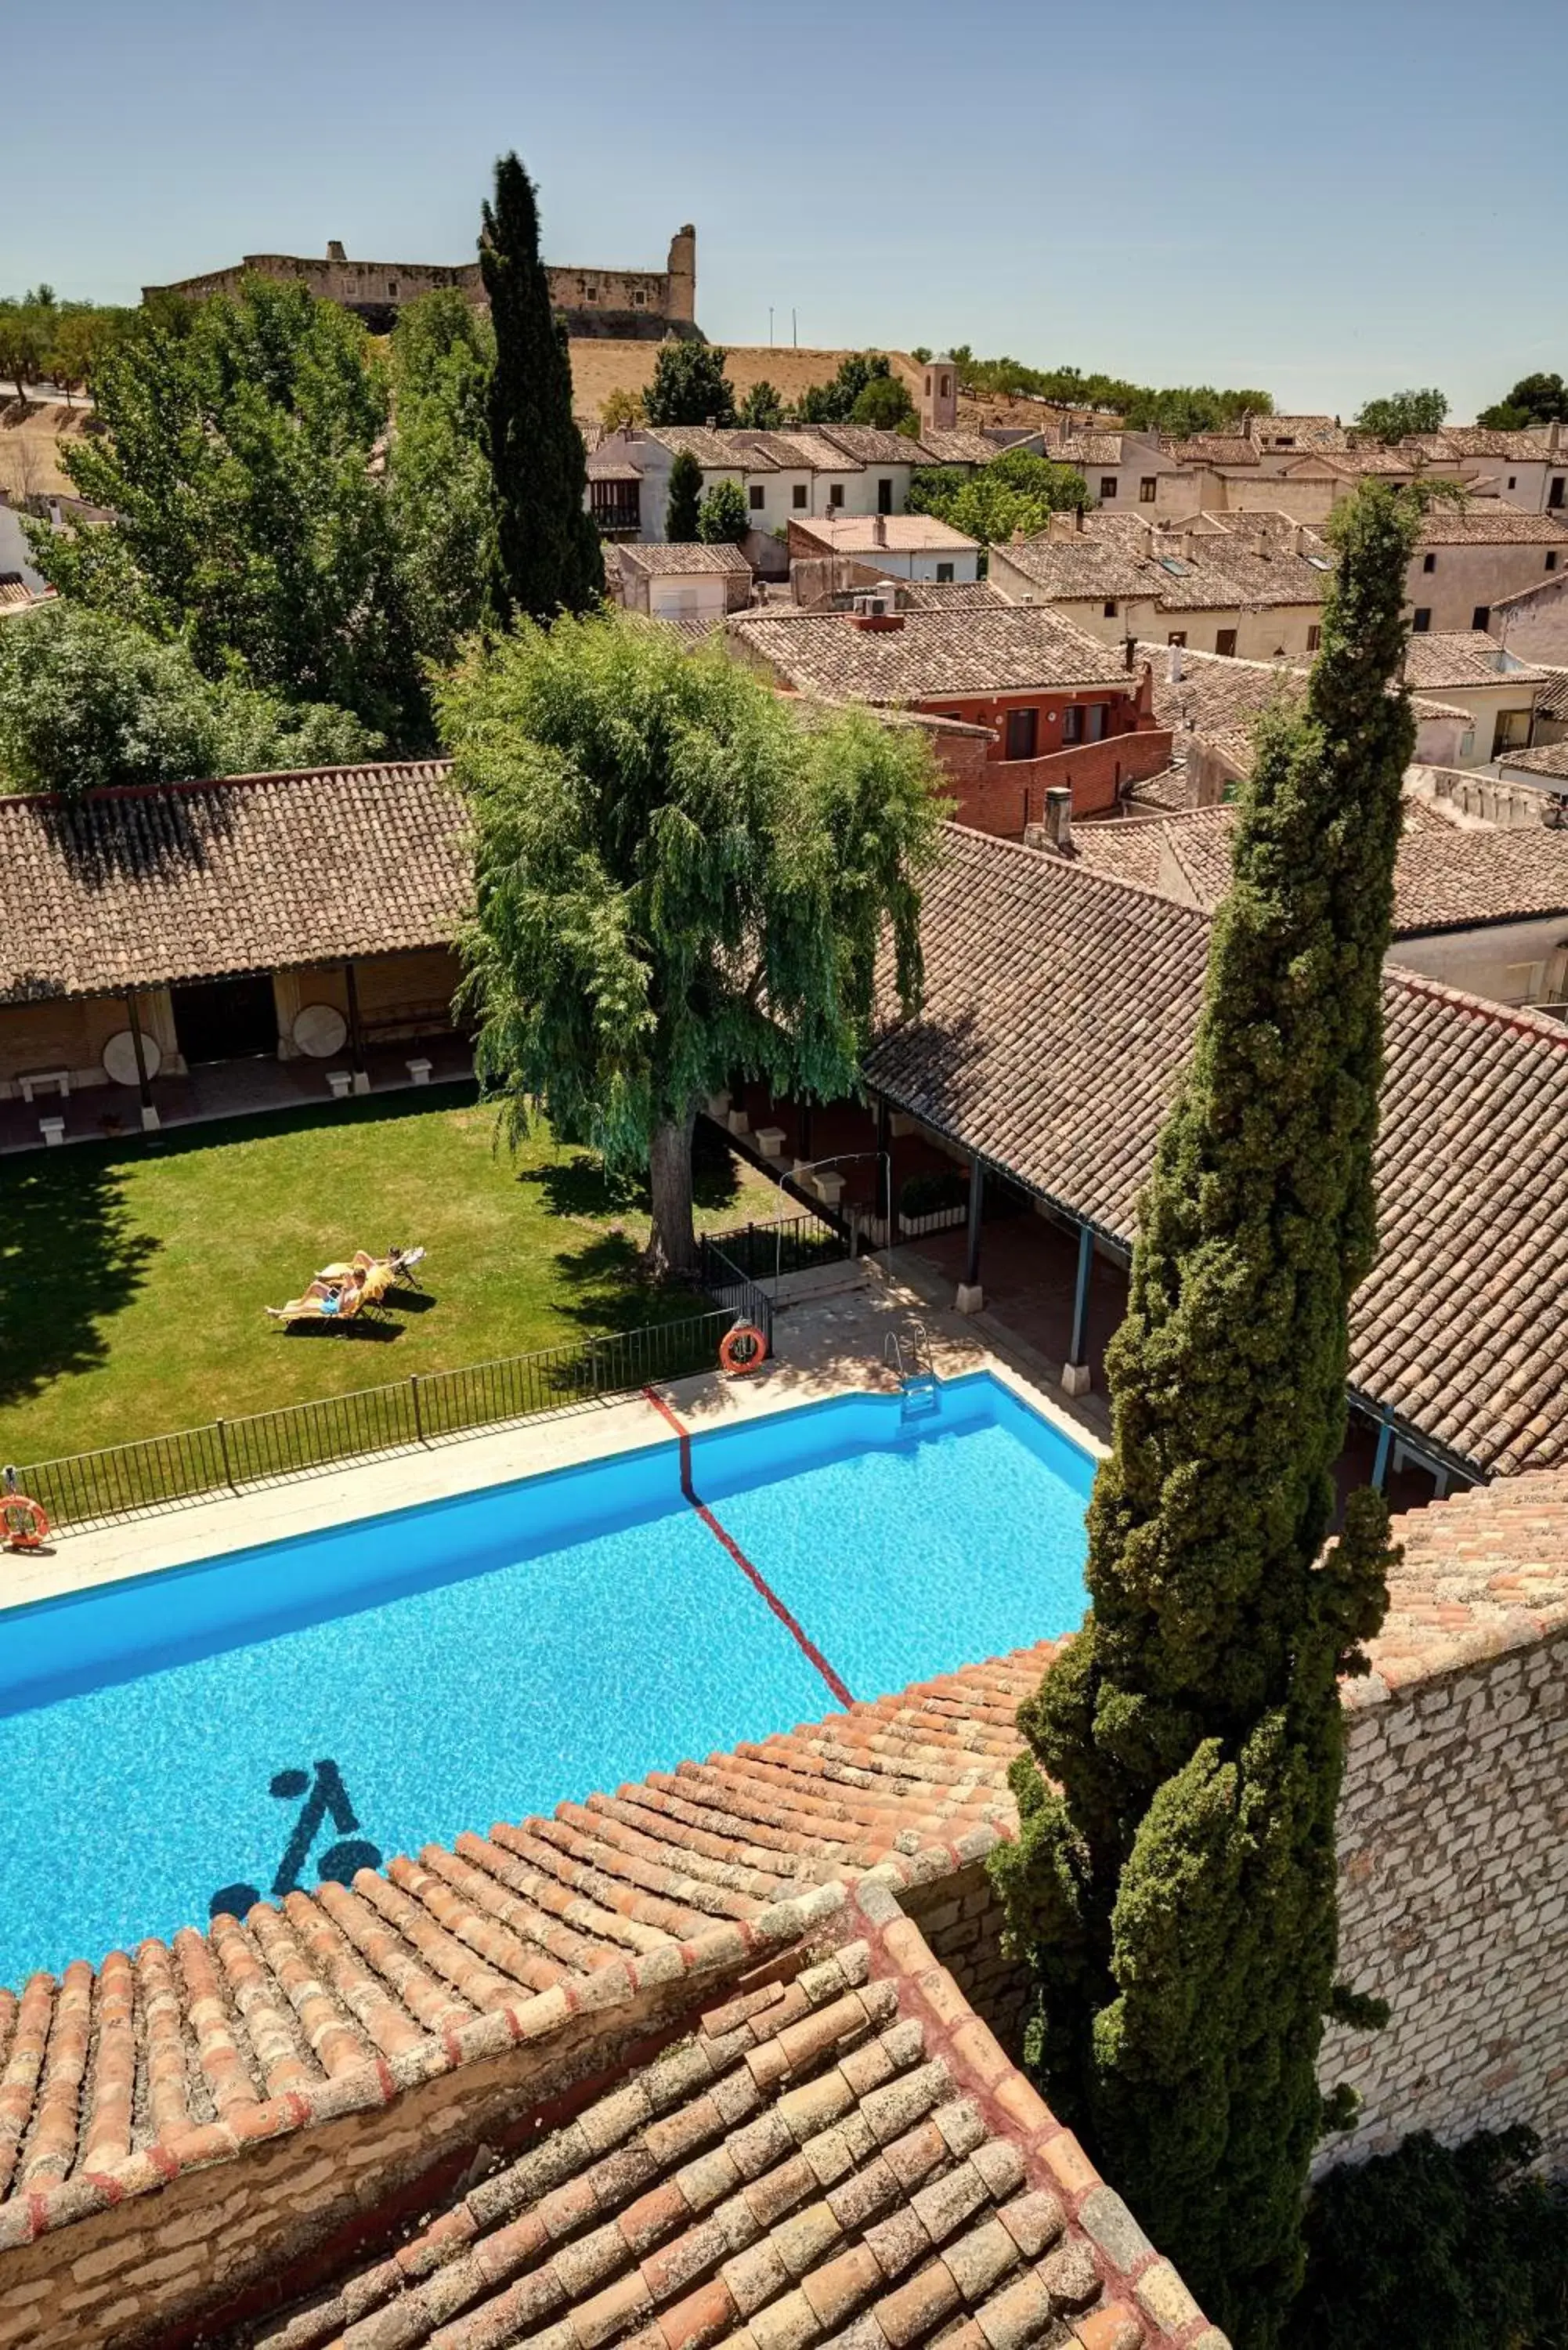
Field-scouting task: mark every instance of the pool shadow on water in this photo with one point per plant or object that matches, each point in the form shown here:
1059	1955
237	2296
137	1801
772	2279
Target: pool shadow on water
339	1864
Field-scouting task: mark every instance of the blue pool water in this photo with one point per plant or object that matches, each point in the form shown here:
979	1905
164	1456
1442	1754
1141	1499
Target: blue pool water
304	1708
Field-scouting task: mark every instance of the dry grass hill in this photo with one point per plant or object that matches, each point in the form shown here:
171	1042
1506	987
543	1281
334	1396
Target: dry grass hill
29	446
600	368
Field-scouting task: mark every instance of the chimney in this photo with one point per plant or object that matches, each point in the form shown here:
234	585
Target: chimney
1129	646
1059	820
1175	665
878	530
1553	437
1078	517
335	250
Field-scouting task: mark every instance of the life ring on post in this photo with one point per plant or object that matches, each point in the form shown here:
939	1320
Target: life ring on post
23	1522
744	1349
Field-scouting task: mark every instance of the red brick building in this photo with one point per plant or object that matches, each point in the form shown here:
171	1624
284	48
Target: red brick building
1061	708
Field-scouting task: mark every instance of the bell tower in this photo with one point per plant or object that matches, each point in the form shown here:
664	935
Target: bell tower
938	395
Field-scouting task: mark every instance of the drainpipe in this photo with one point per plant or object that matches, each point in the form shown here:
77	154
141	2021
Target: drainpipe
970	1296
1380	1464
149	1114
1076	1369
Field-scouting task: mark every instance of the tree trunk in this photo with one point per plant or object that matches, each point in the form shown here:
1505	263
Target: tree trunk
672	1242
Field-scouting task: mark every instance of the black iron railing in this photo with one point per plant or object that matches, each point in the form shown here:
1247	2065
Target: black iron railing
93	1488
793	1244
724	1282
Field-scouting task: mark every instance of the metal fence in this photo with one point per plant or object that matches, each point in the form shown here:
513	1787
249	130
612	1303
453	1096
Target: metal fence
793	1244
93	1488
734	1290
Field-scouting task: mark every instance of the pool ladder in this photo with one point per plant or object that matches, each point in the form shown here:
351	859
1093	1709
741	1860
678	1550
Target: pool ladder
910	1360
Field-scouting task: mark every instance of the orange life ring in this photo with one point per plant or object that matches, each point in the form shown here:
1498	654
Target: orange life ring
24	1521
744	1349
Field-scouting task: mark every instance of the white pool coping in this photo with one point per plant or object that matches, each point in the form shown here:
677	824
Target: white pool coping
304	1504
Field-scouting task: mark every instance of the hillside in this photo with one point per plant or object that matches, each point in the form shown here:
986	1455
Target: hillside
600	368
29	453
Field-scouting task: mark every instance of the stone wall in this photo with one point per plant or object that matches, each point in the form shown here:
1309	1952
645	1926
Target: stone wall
1454	1905
961	1918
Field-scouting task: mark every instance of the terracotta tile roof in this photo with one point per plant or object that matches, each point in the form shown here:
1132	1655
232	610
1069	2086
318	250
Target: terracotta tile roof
439	1961
1443	659
1302	431
869	533
1531	446
15	596
957	447
1182	570
1081	448
1219	697
947	596
1064	1085
1369	458
806	446
1546	759
660	557
870	446
843	2155
715	452
1448	877
1483	1572
1552	702
140	889
1211	449
1489	522
1003	649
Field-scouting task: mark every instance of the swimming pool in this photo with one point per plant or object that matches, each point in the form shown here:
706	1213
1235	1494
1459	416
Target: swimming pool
306	1708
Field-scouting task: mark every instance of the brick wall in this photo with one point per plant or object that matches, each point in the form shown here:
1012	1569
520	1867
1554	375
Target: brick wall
961	1918
1002	795
1454	1905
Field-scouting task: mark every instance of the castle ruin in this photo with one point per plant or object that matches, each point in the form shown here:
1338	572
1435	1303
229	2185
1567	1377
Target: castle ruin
644	304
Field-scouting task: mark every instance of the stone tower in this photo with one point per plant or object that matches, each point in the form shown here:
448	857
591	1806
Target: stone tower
939	392
683	267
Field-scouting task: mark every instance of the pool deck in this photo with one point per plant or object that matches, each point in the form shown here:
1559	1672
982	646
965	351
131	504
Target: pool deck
830	1345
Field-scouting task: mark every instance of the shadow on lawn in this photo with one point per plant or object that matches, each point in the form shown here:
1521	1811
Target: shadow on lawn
604	1288
579	1186
69	1262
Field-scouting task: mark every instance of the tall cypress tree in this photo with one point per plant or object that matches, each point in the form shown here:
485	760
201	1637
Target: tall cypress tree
1174	1888
683	507
548	558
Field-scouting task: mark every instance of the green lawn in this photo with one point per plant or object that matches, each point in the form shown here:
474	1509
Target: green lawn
133	1275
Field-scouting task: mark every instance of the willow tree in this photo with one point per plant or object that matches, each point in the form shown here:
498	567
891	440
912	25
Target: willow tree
678	884
1173	1881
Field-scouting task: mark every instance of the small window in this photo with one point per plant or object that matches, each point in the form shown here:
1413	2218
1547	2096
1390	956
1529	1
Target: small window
1225	641
1480	618
1315	639
1023	733
1429	563
1107	486
1176	637
391	289
638	300
944	572
1110	608
1513	481
797	494
1422	621
836	494
1073	723
1096	721
756	496
1554	495
1551	560
1146	490
590	293
884	497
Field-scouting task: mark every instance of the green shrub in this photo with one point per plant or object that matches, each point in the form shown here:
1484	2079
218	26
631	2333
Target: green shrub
1437	2248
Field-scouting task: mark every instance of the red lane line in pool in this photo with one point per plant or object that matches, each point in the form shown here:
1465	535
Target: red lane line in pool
798	1632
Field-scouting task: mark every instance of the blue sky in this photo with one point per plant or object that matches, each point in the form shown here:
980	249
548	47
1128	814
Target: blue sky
1329	204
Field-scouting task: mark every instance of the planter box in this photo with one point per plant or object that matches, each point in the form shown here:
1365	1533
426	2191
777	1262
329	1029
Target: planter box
940	1219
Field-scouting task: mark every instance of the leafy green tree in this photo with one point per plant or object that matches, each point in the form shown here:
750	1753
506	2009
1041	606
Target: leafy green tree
1175	1887
682	512
885	402
689	386
722	519
1534	399
1437	2248
82	334
1391	418
441	487
26	329
762	409
620	409
548	558
235	461
662	852
86	700
833	402
1016	491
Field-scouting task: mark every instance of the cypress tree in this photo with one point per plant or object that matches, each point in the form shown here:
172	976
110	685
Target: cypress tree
1174	1889
682	510
548	558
